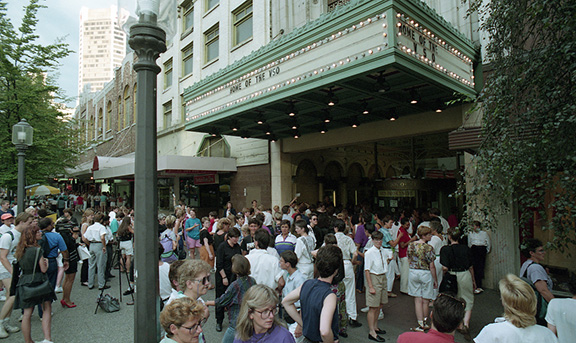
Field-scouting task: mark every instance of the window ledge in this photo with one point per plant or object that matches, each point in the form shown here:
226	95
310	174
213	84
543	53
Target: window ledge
211	10
186	33
209	63
185	77
167	89
238	46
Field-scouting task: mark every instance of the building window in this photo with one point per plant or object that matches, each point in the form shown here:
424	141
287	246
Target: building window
91	128
214	146
168	74
242	23
167	120
187	60
109	116
212	37
100	122
134	107
119	117
126	109
210	4
188	16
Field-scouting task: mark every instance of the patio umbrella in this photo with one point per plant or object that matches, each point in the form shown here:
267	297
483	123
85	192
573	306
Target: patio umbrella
42	190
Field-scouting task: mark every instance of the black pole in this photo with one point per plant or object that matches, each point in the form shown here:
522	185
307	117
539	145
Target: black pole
148	42
21	148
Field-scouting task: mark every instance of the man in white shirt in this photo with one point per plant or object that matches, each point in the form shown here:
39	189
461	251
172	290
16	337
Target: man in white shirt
434	212
7	223
8	243
348	247
376	262
95	238
263	266
479	244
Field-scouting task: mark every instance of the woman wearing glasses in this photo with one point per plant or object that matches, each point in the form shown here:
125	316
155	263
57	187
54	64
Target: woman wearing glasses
257	321
182	320
194	282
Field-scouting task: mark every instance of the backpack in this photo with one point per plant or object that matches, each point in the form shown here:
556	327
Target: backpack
167	244
43	242
541	303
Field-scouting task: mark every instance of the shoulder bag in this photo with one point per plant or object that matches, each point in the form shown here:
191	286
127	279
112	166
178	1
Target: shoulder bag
36	291
449	284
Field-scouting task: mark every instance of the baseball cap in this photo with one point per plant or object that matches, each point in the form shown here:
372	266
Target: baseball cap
6	216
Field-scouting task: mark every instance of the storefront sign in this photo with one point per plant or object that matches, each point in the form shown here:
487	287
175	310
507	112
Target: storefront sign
208	179
395	193
425	46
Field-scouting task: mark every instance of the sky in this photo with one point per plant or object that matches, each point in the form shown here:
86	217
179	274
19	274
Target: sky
60	20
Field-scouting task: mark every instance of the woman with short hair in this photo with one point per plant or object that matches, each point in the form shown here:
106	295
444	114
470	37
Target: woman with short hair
182	320
519	302
257	320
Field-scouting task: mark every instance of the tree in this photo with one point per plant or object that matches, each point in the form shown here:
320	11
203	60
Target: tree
528	155
27	90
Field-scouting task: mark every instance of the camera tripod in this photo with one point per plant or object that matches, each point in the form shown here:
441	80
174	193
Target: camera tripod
121	263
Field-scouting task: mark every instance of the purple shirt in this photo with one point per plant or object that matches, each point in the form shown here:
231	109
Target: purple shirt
360	237
278	335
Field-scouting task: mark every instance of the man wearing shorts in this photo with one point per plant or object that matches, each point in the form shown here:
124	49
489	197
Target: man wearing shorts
375	268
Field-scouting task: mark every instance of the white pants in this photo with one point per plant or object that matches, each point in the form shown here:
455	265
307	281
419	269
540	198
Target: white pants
439	274
350	283
97	261
404	274
391	273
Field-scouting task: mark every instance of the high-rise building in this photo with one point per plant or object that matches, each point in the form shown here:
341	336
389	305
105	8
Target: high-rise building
102	46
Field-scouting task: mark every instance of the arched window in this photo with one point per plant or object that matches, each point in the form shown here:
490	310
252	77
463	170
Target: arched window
100	123
109	116
119	123
91	127
134	107
127	103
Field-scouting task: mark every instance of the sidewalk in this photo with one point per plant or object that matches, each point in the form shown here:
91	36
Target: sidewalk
80	324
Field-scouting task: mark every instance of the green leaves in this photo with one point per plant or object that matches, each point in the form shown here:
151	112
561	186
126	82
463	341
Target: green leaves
27	90
529	121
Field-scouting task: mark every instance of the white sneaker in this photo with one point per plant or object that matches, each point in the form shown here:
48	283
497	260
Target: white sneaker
381	315
9	328
365	309
58	289
3	333
44	341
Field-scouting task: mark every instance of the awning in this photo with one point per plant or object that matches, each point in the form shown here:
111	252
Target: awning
168	165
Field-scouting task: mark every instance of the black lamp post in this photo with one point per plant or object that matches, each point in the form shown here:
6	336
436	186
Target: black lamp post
148	41
22	138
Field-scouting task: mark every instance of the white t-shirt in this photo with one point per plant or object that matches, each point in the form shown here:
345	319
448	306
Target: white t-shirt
5	228
562	314
6	242
505	332
264	267
437	243
165	288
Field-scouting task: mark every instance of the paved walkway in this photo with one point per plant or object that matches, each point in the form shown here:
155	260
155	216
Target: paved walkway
80	324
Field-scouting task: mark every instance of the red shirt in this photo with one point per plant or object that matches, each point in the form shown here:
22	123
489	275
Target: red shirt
402	252
432	336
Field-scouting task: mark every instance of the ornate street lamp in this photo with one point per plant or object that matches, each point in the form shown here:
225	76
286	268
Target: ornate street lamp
22	138
148	41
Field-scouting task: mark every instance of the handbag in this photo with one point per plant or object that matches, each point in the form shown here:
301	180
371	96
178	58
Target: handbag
109	303
39	290
449	284
83	252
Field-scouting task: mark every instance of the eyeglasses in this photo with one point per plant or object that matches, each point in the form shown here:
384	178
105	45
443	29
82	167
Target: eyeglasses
203	280
195	327
266	313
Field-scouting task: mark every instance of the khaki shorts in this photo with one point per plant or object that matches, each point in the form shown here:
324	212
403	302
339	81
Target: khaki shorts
381	296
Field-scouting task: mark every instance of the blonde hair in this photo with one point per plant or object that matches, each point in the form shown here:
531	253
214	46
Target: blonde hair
87	214
519	301
179	311
170	220
222	222
190	270
256	297
424	230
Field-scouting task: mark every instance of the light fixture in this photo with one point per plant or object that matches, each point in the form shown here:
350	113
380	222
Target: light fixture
260	118
355	122
234	125
392	115
323	128
332	99
245	135
327	116
292	111
365	108
296	134
382	86
267	130
295	124
440	106
273	138
414	96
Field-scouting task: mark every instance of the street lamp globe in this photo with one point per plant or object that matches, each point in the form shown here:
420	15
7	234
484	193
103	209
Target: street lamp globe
22	133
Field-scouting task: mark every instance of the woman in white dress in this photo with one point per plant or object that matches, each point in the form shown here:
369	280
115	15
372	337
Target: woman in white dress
304	246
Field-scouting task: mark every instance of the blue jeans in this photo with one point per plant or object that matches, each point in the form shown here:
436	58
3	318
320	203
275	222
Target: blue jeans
229	335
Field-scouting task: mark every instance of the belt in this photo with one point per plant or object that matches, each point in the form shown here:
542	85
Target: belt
457	270
96	242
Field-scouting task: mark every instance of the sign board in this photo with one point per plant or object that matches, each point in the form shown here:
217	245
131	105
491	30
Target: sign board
206	179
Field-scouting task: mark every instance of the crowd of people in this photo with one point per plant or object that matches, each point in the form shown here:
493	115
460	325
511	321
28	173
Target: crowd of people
290	274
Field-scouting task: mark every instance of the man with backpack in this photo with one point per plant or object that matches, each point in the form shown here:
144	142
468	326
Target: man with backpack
8	243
